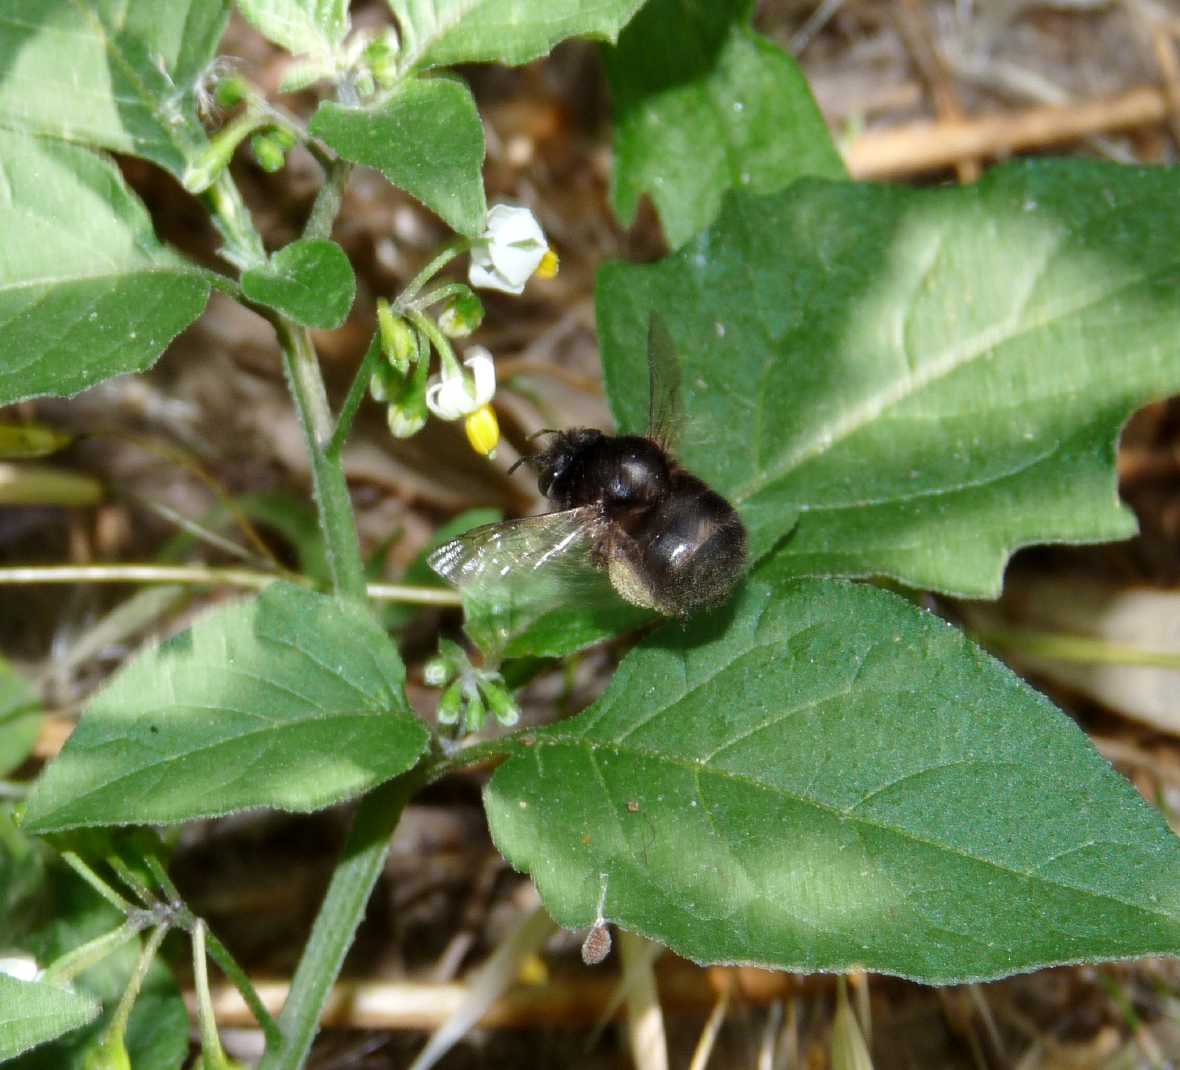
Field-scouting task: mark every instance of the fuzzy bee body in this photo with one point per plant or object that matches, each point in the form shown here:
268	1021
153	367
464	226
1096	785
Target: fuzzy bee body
663	537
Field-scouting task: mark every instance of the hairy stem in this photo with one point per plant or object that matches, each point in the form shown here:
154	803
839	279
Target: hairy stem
336	924
331	489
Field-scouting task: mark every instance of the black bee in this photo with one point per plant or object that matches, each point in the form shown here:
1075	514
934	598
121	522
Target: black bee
665	540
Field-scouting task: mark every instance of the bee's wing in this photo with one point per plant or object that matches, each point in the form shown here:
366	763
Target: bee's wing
664	410
514	573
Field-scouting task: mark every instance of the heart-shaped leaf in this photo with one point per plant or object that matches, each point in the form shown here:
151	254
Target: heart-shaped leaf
426	138
310	280
914	383
86	289
825	777
293	700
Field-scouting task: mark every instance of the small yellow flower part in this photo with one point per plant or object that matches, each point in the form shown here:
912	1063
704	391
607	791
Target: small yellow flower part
547	268
483	431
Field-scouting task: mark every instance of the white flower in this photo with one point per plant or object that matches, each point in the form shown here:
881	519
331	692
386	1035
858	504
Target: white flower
22	967
453	395
509	251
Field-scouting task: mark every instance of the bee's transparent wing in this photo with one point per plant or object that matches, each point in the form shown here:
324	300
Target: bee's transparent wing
664	410
515	573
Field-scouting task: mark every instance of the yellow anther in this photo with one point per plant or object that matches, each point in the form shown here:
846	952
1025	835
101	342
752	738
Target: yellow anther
547	268
483	431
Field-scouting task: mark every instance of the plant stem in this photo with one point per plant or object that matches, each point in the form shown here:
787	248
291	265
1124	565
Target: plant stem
328	200
356	394
100	886
337	921
81	958
205	574
331	489
444	256
1083	649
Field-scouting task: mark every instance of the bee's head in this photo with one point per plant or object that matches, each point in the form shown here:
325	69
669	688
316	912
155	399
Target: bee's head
562	452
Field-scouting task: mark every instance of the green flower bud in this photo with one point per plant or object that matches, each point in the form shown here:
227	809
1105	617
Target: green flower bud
283	136
450	706
268	153
231	91
436	672
475	711
461	316
500	702
405	421
397	337
381	57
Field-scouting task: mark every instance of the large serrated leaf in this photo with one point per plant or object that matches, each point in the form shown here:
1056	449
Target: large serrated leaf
294	700
86	289
426	138
32	1012
826	777
437	33
916	382
120	74
703	104
300	26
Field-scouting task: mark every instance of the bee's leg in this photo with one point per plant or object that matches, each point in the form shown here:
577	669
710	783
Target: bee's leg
623	559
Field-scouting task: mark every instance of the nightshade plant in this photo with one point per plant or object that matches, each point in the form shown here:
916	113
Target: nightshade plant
886	382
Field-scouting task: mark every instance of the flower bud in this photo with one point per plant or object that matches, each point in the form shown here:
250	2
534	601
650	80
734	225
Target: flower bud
461	316
397	338
450	706
500	702
436	672
268	152
381	56
475	711
231	91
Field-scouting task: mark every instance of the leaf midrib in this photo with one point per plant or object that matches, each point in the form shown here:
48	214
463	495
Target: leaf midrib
939	367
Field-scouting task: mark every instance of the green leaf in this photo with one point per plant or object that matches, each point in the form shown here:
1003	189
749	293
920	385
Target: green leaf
440	33
703	104
925	379
86	289
825	777
310	280
426	138
120	74
300	26
293	700
20	718
32	1012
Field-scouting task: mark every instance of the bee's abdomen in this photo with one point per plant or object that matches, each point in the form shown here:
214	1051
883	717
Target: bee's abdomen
693	545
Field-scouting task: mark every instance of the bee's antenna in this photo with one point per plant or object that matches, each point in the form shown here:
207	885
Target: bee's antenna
543	431
517	463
